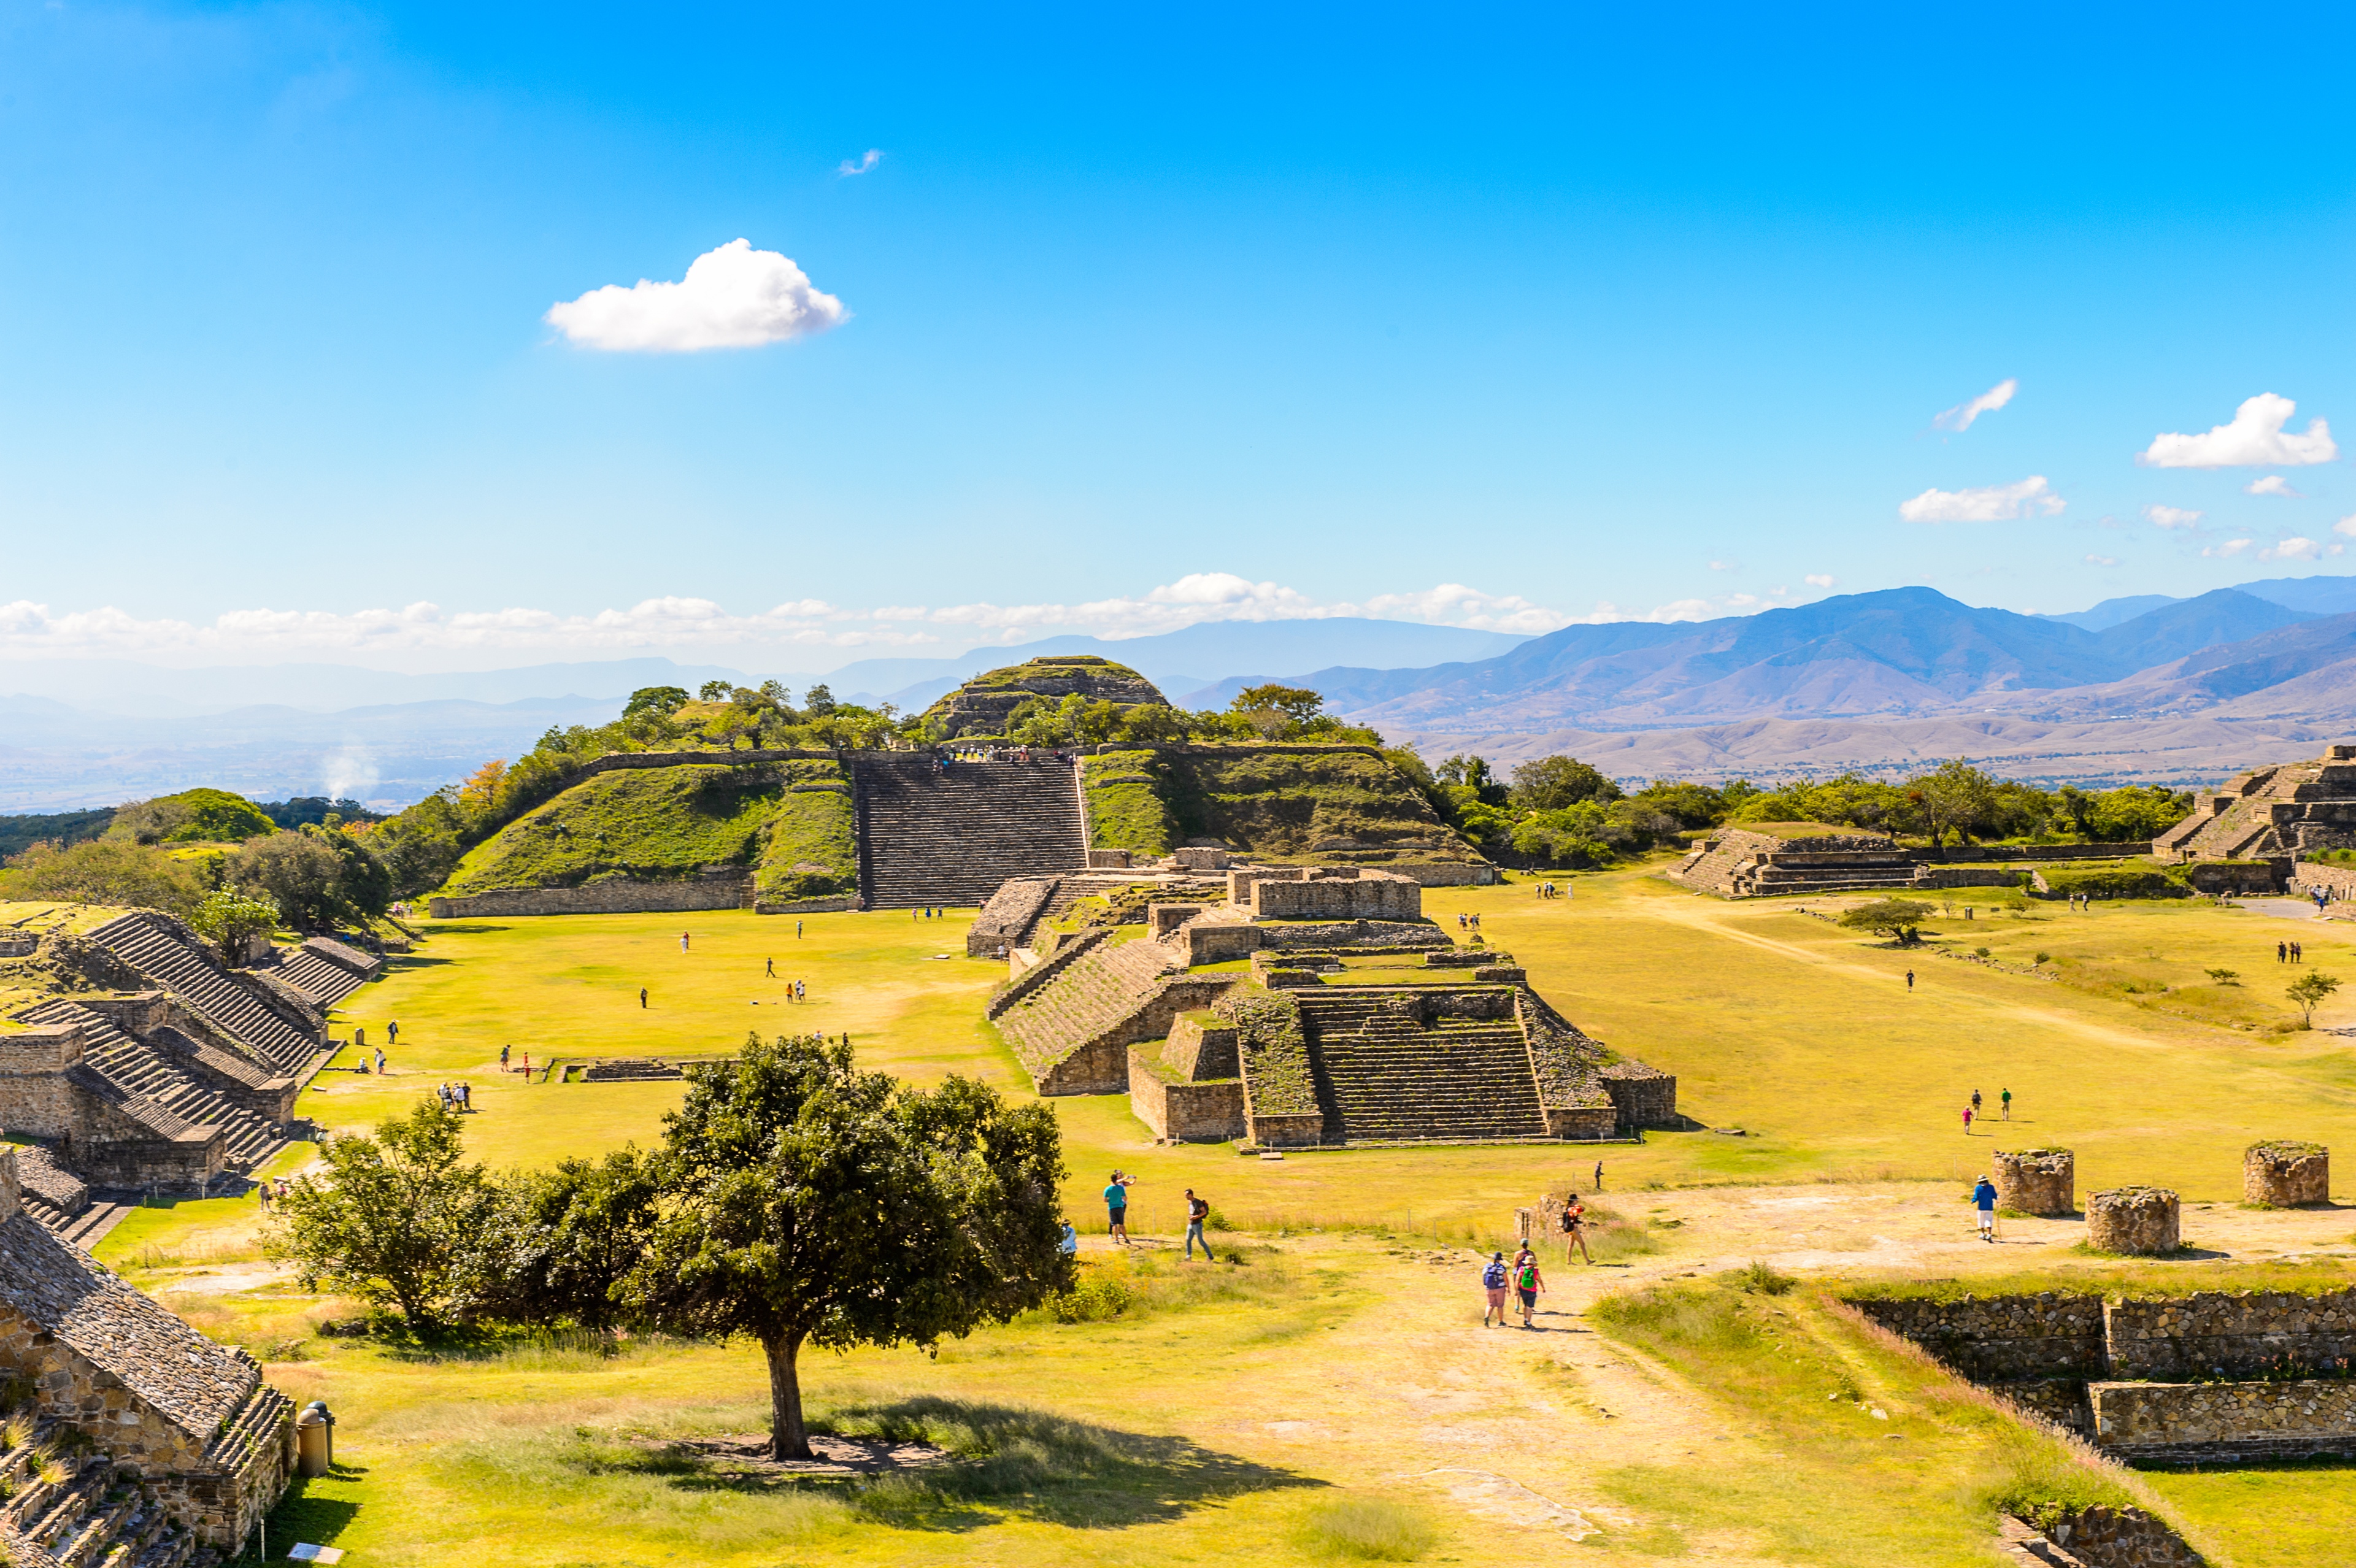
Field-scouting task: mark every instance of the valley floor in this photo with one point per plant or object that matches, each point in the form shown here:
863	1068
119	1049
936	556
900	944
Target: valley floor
1243	1412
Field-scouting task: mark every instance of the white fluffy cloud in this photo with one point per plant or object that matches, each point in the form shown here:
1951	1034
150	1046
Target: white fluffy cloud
2102	560
862	165
2272	484
1961	416
2030	497
2254	439
2229	548
734	297
2346	527
2292	548
1819	580
2170	516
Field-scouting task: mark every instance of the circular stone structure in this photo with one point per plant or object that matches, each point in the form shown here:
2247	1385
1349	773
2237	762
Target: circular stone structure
2133	1220
2285	1174
2037	1180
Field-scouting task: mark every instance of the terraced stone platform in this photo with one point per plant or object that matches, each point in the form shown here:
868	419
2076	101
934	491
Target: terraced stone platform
929	835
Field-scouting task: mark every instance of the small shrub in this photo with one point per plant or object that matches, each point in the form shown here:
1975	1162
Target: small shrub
1980	952
2226	977
2045	958
1374	1529
1093	1301
1761	1279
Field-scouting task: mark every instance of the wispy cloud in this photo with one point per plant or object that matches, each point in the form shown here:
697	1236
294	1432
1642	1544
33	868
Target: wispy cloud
734	297
2030	497
2256	439
2171	516
1961	416
2229	548
861	164
2272	484
423	631
2102	560
1819	580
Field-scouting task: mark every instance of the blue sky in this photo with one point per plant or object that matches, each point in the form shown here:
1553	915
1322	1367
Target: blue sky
1182	313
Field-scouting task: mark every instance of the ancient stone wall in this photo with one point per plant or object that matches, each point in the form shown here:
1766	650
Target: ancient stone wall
2003	1339
1182	1110
1372	896
1642	1096
2286	1175
1199	1051
2104	1537
1291	1130
606	895
2035	1180
2315	876
1008	915
1383	933
2141	1416
2137	1220
2237	880
2231	1334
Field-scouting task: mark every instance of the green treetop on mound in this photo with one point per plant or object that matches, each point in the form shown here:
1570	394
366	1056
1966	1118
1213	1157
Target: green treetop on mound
192	816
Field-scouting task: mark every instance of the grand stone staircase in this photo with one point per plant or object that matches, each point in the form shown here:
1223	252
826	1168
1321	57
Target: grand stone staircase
143	1071
1096	992
1385	1076
934	836
168	956
327	971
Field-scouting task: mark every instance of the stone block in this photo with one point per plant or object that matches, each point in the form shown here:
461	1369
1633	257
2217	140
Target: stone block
1108	859
1198	1051
1299	1130
1182	1110
1168	917
2284	1174
1372	896
1501	974
2037	1180
1193	858
2137	1220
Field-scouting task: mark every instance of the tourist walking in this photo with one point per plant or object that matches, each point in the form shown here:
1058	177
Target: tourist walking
2004	1098
379	1062
392	1035
2282	951
642	996
1967	1121
1909	980
1116	1206
797	931
1198	1210
1574	1228
801	991
2297	953
1983	1200
467	1097
1599	1176
503	1058
1527	1282
769	966
1493	1280
1976	1102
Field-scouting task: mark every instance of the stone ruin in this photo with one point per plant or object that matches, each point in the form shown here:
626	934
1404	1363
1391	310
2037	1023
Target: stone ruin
147	1065
1743	863
2035	1180
2138	1221
2272	814
2206	1378
151	1443
2284	1174
1353	1020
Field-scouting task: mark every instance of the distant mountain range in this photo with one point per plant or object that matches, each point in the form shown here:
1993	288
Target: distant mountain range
2148	686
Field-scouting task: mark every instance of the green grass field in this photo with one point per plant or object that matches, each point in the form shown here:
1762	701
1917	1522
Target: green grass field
1330	1396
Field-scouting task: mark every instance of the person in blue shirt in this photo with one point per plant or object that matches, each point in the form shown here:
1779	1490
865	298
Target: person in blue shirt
1983	1200
1069	1244
1116	1206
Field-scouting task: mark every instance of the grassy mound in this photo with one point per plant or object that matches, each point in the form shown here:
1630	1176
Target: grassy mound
790	823
1268	802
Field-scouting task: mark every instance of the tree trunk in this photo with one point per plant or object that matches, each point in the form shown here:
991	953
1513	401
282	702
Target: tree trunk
787	1439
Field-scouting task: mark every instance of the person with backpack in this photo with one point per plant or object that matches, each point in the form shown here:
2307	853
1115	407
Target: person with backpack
1493	1280
1574	1229
1527	1282
1983	1200
1198	1210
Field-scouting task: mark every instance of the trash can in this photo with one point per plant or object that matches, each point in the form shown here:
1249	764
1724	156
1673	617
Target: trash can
315	1440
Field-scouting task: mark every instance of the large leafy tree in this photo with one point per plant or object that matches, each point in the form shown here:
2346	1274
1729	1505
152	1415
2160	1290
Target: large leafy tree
391	1219
805	1202
1549	783
564	1239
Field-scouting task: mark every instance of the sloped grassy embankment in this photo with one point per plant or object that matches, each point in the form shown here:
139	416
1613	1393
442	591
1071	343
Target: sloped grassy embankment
790	822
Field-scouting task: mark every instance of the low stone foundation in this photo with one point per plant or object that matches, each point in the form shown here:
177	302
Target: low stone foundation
609	895
2137	1220
2037	1180
1186	1111
2120	1538
2286	1175
2136	1419
1301	1130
